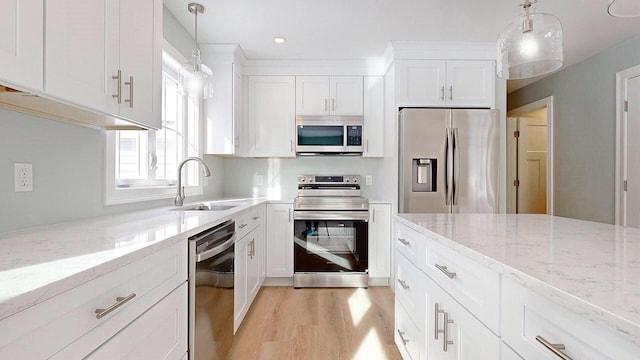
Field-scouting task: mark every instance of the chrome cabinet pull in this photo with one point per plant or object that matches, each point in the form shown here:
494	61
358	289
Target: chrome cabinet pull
255	217
451	275
403	284
446	342
326	104
367	145
451	92
556	349
100	313
289	214
442	93
291	145
237	144
401	333
374	215
404	241
333	104
242	226
118	94
130	100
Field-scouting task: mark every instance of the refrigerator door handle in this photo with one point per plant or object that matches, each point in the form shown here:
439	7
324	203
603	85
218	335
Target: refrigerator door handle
456	166
448	170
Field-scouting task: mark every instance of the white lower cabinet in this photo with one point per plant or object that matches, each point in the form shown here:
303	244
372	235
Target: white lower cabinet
408	336
529	320
279	242
379	240
160	333
69	325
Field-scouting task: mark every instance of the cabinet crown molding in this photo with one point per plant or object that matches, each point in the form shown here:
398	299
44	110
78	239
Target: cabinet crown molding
408	50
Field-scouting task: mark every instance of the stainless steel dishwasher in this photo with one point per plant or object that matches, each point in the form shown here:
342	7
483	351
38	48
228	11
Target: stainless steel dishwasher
211	271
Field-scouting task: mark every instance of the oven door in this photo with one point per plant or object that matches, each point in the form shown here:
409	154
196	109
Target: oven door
331	242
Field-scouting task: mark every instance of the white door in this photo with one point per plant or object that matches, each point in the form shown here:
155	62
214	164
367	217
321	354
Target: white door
279	240
470	83
21	42
532	166
272	115
312	95
141	61
346	95
81	52
632	155
421	82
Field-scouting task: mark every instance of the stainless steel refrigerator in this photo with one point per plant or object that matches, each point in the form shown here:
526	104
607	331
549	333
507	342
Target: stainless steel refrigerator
448	161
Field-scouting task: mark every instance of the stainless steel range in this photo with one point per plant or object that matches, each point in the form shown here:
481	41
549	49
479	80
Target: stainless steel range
331	241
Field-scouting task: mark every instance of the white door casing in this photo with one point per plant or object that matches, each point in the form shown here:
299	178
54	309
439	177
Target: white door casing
532	165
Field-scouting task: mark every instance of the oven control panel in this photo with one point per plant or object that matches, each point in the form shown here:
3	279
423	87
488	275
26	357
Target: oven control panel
329	179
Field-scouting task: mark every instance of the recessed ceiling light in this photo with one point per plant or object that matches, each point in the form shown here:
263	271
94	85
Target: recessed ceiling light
279	40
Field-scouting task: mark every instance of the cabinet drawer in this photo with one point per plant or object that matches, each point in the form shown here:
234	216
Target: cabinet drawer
407	335
249	220
474	286
160	333
409	242
527	315
61	320
408	288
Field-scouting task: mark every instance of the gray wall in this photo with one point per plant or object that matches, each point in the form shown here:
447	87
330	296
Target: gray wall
584	130
68	164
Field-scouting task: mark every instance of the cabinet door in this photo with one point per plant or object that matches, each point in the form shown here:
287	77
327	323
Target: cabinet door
271	116
279	240
466	337
373	129
21	43
82	52
240	279
421	82
380	240
312	95
160	333
253	268
239	128
220	109
470	83
141	61
346	95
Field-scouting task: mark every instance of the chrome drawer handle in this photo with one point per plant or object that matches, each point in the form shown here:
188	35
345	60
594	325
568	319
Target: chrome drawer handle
403	284
100	313
404	241
243	226
255	217
401	333
451	275
554	348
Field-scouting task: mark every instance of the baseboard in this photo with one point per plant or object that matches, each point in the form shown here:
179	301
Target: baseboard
379	281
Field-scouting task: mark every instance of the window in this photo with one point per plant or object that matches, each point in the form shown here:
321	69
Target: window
142	165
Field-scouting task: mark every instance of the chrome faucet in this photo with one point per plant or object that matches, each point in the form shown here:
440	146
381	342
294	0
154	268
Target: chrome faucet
180	197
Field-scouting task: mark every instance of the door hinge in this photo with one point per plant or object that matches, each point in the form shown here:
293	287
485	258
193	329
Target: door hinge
626	105
516	182
516	133
625	185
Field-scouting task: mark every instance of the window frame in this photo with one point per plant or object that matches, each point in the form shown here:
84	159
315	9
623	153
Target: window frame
113	195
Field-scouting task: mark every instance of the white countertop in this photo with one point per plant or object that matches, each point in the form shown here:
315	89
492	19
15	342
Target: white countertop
40	263
591	268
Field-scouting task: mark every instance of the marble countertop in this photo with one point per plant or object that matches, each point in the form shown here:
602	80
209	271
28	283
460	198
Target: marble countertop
590	268
40	263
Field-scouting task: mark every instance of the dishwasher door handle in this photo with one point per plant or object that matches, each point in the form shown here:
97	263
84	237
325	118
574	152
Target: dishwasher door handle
216	250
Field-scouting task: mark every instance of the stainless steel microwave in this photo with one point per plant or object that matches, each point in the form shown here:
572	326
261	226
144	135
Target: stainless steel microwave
326	135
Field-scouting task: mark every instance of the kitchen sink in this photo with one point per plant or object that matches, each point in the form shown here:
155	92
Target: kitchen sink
206	207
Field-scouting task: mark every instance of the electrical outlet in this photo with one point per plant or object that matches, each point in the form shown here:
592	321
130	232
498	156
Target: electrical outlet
259	179
368	180
23	177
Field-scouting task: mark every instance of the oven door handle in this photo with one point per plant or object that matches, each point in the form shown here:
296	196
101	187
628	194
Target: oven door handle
331	215
218	249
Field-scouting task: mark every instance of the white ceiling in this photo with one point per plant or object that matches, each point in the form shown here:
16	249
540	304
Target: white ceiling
361	29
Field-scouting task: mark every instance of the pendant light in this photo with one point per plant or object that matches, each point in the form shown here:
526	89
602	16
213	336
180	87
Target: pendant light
624	8
531	45
196	78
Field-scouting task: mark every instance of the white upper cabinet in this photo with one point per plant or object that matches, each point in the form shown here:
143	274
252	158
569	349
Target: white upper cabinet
329	95
21	43
373	129
106	56
271	116
452	83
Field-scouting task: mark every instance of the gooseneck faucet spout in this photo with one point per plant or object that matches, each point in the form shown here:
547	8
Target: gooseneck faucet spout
180	197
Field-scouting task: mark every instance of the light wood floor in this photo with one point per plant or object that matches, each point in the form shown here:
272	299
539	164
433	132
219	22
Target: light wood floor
322	324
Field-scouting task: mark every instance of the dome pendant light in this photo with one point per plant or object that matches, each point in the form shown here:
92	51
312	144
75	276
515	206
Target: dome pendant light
195	78
624	8
531	45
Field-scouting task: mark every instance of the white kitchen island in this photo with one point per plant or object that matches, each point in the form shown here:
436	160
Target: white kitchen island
521	280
